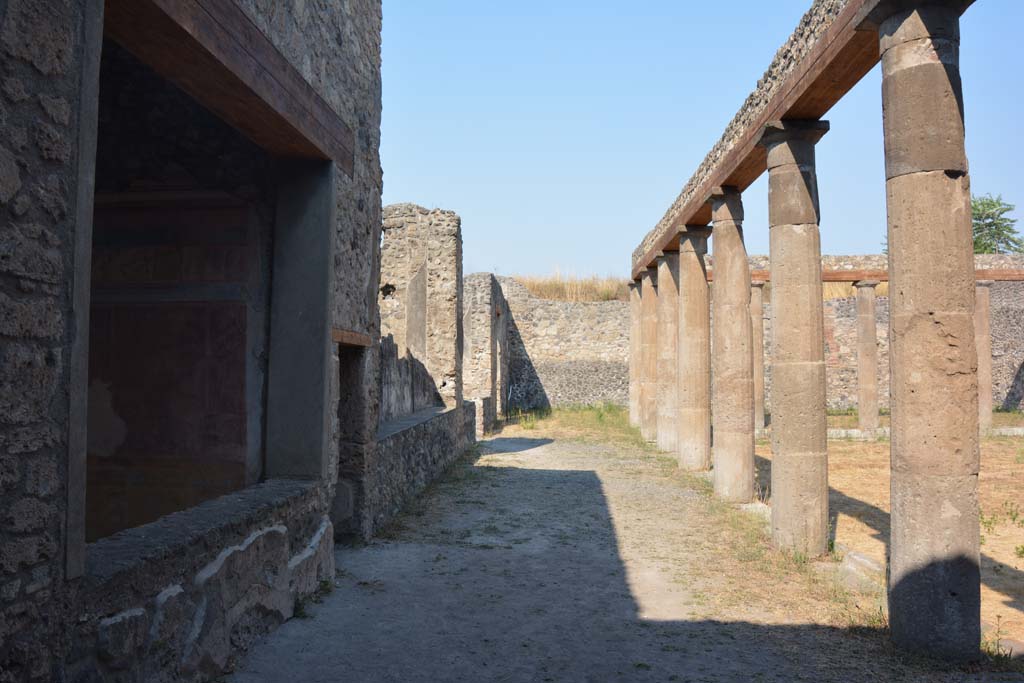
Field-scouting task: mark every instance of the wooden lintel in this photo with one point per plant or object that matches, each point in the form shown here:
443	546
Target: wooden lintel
350	338
212	50
837	62
996	274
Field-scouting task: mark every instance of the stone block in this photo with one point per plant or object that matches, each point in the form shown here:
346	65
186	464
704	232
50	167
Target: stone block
923	120
932	209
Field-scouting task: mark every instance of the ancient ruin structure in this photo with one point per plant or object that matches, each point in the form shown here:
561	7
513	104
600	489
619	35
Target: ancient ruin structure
188	300
485	354
934	558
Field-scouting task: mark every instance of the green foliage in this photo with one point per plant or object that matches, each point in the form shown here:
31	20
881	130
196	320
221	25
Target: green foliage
994	231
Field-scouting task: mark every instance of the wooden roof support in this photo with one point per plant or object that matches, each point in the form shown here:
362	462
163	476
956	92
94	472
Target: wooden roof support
842	56
212	50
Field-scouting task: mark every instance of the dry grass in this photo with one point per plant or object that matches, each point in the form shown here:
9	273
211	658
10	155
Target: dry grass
559	287
859	498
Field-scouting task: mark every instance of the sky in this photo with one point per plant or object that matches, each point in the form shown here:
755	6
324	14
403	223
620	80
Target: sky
562	130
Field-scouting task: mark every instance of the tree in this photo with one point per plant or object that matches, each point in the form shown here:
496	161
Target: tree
994	231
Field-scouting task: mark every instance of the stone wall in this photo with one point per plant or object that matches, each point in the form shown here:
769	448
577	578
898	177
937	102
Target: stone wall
421	298
176	599
412	451
563	353
169	600
569	353
485	360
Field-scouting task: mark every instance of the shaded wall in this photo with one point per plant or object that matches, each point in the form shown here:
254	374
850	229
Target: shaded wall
170	600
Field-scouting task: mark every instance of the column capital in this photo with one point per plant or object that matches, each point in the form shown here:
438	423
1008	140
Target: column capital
874	13
984	283
726	204
757	283
807	130
865	283
695	230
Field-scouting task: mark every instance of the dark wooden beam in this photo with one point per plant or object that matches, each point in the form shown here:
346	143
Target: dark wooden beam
212	50
350	338
842	56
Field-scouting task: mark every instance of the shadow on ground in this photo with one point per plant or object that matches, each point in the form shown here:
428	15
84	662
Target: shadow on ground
514	571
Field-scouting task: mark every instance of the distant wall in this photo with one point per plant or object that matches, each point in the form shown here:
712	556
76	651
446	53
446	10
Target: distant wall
564	353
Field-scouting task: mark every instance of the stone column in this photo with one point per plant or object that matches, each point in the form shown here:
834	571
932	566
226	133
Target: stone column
983	342
732	407
668	346
867	357
934	590
757	347
634	353
694	422
649	354
799	428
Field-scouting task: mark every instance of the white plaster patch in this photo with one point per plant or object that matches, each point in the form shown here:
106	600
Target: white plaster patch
311	547
122	616
211	569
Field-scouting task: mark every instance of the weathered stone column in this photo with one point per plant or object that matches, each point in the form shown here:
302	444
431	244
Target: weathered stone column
732	408
799	428
757	348
867	357
649	354
983	342
634	353
668	347
934	591
694	422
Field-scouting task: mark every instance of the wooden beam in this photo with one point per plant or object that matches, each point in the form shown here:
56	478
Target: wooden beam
212	50
841	57
350	338
997	274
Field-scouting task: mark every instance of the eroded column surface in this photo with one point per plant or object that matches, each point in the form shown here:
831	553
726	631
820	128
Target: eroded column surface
649	354
983	342
668	345
732	410
694	422
867	357
799	429
634	353
757	349
934	593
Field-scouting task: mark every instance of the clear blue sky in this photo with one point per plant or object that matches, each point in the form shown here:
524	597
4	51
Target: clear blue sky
561	130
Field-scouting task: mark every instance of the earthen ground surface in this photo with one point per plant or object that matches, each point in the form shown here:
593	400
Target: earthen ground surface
859	500
558	555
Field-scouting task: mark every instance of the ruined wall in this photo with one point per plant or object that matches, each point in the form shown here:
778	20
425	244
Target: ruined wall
183	592
421	303
413	451
563	353
485	361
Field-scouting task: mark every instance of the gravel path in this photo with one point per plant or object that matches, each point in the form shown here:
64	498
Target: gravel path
563	561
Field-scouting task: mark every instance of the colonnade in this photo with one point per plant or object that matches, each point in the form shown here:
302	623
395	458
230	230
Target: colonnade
934	593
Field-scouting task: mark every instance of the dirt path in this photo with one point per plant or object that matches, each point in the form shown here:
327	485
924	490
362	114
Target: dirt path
554	560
